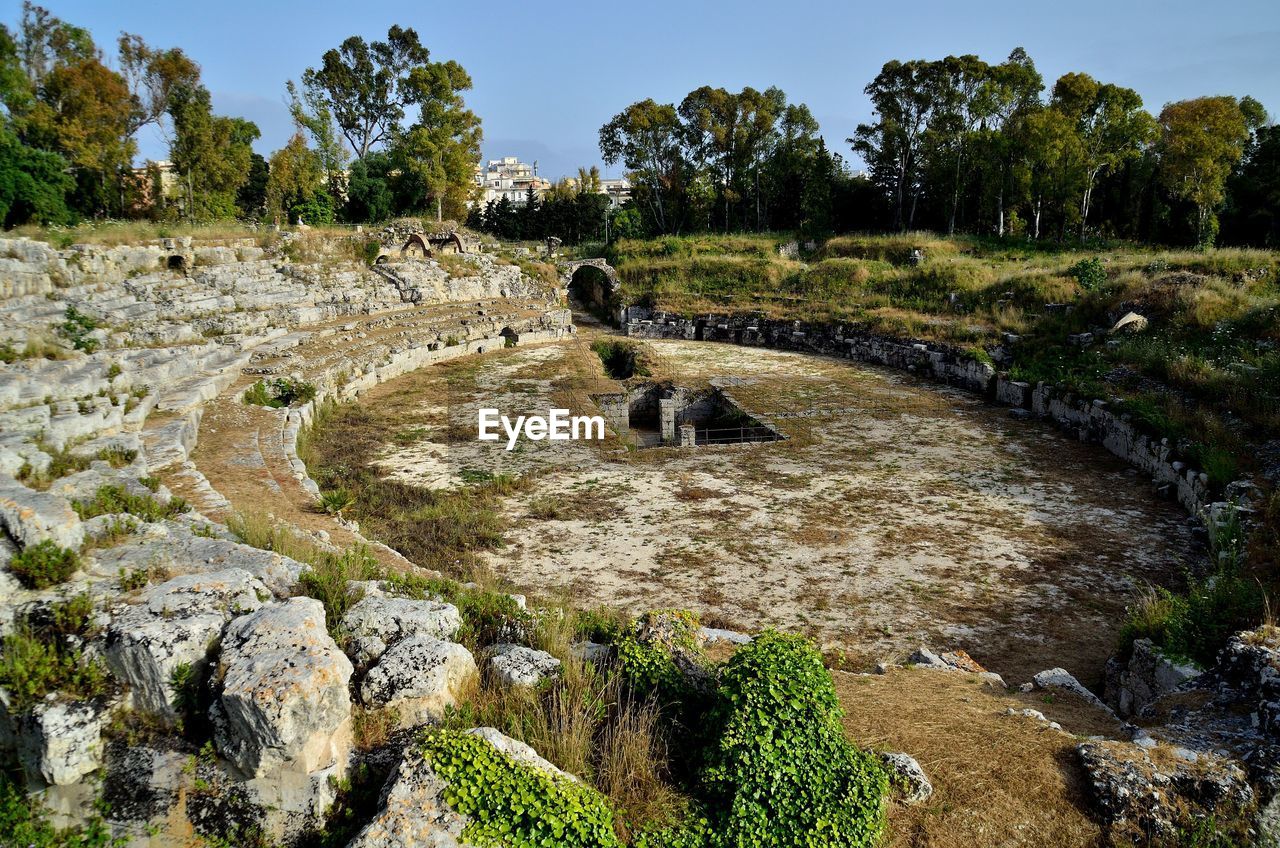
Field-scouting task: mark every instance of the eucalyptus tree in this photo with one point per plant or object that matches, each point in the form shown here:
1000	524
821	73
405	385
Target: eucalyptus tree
1201	141
904	102
366	86
648	139
1111	123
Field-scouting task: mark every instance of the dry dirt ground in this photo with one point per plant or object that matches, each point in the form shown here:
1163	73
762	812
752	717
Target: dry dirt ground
897	514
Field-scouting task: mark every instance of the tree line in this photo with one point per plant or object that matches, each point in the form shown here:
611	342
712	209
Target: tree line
959	145
381	130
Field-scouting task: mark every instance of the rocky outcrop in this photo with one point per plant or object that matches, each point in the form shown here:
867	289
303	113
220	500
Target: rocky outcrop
517	665
1150	795
413	811
1147	676
283	701
30	517
173	625
379	621
61	741
419	677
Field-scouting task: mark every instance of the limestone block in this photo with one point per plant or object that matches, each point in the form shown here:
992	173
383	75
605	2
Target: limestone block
283	703
419	677
174	624
517	665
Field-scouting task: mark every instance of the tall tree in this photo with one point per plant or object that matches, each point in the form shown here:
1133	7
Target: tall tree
903	101
47	41
83	111
1112	125
212	153
367	86
1016	95
440	149
1201	141
647	138
296	185
151	76
1253	212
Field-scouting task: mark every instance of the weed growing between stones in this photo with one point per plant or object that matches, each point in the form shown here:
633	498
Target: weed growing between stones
279	393
44	564
1195	624
115	500
32	666
24	823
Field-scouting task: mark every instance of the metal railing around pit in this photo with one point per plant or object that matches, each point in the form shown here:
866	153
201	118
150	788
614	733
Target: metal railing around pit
735	435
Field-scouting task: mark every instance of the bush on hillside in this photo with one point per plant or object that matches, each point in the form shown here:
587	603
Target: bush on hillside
781	771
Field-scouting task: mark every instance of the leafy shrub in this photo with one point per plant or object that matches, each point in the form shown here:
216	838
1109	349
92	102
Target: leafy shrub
44	564
781	771
489	617
76	329
23	822
1089	273
512	804
621	359
113	500
279	392
31	667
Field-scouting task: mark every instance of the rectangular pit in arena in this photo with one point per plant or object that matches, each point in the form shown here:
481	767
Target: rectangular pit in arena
667	415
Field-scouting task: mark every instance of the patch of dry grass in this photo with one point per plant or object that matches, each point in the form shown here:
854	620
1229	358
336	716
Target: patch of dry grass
998	779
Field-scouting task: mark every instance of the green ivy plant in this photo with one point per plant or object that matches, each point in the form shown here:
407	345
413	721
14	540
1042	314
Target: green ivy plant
781	772
513	805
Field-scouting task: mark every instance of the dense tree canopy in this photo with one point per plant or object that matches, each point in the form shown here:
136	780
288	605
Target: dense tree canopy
954	144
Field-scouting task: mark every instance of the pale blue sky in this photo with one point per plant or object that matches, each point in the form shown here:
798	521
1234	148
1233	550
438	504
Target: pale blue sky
547	75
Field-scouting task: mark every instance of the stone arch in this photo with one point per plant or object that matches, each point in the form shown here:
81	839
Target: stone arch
510	337
176	262
593	281
416	248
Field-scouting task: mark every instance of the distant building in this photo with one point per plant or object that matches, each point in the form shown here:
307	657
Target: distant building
619	191
510	178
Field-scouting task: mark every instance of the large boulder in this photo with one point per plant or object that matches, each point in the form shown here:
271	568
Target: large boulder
283	702
413	812
517	665
61	741
172	625
419	677
30	517
379	621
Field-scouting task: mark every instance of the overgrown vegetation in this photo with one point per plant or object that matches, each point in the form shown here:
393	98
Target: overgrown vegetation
115	499
622	360
24	823
32	666
1195	624
43	564
279	392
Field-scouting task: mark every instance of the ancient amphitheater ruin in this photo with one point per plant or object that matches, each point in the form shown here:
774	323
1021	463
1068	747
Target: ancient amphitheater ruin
878	497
